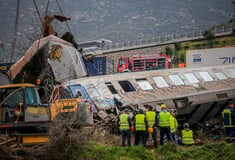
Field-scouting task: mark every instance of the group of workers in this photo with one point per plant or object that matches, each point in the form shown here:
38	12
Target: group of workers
146	124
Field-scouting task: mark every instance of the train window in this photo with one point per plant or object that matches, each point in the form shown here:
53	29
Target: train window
220	76
92	90
191	77
176	80
160	82
206	76
231	72
111	87
144	84
126	86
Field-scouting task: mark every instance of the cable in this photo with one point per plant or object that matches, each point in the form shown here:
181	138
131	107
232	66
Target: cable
36	7
15	32
48	2
63	15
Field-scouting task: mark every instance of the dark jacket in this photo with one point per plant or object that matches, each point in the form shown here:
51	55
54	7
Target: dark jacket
227	117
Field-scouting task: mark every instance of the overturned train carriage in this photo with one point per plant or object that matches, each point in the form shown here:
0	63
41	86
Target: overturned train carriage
50	59
198	94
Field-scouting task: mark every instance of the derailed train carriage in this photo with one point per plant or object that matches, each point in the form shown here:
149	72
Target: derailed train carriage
198	94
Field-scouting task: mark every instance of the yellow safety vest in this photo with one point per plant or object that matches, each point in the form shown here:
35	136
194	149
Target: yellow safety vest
227	112
187	137
151	118
139	122
164	119
124	125
173	124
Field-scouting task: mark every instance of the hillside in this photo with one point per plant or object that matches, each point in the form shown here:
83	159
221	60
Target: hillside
114	20
119	20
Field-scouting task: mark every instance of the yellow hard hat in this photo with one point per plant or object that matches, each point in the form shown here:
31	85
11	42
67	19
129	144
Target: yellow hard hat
150	130
163	106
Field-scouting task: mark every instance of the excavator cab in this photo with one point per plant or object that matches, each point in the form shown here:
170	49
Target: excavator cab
22	114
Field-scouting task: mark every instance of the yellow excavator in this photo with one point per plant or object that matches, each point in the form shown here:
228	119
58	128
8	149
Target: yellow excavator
24	116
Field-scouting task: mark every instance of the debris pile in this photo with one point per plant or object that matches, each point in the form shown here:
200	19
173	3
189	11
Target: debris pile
64	136
210	130
106	121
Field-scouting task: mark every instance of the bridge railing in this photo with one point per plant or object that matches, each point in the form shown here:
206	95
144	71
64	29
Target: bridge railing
168	38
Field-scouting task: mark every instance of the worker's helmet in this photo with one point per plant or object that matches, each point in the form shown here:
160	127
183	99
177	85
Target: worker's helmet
163	106
186	125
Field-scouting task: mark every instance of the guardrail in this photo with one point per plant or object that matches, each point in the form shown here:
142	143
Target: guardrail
171	38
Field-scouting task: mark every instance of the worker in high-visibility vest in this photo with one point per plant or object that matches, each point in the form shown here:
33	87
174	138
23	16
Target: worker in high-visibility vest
164	124
140	127
229	122
125	127
187	135
152	118
173	126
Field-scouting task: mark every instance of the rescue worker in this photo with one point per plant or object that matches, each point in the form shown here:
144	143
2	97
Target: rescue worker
140	127
187	135
173	126
229	122
152	118
164	124
125	127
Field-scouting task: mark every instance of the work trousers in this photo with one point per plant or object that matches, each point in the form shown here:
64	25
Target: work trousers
173	137
229	134
126	134
154	136
163	131
140	137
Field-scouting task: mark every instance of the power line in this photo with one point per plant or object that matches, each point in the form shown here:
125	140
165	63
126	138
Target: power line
48	2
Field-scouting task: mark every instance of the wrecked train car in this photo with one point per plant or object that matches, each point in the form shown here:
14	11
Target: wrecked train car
198	94
50	60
